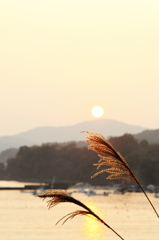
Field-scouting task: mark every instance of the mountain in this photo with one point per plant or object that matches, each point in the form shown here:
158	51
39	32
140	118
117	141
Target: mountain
40	135
6	154
152	136
13	142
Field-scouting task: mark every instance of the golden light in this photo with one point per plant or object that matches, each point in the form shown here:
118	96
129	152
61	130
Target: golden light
91	229
97	111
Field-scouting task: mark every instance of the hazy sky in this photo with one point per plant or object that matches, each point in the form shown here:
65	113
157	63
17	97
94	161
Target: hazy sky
58	59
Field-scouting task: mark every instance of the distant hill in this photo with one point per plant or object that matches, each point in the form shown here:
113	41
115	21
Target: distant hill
152	136
40	135
13	142
6	154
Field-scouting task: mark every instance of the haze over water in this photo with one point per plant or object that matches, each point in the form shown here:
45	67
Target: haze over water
24	216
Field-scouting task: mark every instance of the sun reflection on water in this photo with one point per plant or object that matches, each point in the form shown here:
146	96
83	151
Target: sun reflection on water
91	229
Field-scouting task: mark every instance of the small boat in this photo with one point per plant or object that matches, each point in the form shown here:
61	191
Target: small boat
156	195
90	193
81	191
93	193
34	192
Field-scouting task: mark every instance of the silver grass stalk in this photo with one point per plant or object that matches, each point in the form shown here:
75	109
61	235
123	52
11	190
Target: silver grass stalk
118	167
59	196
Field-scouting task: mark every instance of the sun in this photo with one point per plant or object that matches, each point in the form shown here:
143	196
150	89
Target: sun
97	111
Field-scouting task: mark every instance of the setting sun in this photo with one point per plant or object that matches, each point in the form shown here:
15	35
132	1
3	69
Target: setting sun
97	111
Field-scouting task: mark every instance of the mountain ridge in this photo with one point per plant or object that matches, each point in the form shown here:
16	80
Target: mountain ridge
50	134
152	136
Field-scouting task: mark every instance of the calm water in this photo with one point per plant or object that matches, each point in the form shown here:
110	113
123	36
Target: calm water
24	216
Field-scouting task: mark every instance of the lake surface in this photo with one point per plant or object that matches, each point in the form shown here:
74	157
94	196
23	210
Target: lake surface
24	216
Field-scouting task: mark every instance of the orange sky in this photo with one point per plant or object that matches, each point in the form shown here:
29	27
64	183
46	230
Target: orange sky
61	58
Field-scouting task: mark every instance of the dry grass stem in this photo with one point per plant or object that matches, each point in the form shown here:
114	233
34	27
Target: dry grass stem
59	196
118	167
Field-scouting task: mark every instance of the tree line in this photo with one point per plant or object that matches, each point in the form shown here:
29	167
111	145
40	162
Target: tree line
70	163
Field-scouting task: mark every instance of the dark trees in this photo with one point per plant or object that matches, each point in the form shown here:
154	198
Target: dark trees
75	164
